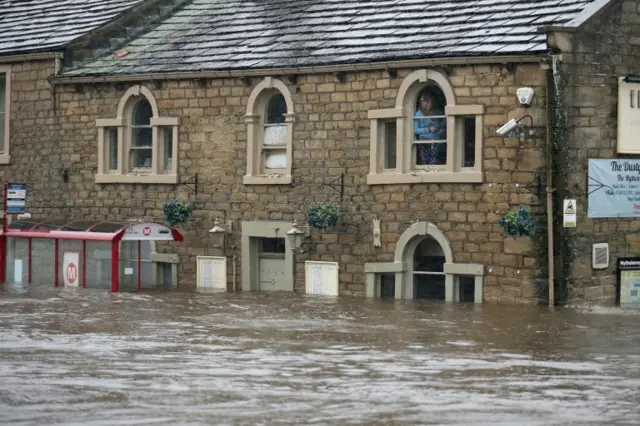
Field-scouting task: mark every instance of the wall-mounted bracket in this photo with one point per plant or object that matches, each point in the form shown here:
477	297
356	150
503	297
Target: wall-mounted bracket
191	183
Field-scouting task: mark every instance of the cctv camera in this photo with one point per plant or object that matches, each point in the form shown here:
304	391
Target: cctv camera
504	130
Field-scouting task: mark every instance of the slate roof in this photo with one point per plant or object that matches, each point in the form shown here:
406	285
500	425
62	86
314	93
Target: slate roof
28	26
214	35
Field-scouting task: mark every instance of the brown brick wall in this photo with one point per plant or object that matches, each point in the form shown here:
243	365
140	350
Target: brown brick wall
606	48
331	136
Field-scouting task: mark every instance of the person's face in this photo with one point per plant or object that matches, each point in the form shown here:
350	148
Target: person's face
425	103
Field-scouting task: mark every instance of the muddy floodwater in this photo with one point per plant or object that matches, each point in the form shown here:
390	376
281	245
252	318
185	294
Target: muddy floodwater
92	358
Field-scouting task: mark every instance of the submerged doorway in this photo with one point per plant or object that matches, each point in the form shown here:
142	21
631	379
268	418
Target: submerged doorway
271	266
428	270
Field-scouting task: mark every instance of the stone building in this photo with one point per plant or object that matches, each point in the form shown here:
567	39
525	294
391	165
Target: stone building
255	113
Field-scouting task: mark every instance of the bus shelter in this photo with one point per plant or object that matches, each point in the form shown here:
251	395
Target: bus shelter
79	253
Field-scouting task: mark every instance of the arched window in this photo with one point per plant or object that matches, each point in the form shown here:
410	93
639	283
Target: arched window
138	145
141	135
427	137
269	134
428	270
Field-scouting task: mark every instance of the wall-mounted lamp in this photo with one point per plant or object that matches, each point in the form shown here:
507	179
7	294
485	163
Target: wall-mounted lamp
294	236
376	232
218	234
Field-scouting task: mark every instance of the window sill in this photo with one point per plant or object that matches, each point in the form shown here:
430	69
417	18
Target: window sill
5	159
425	177
160	179
267	180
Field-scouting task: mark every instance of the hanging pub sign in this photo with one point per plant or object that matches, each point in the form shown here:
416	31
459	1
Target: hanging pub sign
628	272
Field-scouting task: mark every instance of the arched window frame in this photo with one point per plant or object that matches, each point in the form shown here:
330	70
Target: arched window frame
119	131
402	116
256	173
403	267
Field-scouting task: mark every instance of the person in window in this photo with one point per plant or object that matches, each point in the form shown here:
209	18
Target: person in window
430	129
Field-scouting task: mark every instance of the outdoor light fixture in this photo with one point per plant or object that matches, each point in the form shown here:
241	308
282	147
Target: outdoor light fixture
218	234
294	235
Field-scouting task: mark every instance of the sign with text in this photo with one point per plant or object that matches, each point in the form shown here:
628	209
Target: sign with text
16	198
614	188
629	281
569	215
147	232
70	268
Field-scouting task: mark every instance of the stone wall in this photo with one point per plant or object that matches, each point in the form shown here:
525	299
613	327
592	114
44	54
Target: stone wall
606	48
331	136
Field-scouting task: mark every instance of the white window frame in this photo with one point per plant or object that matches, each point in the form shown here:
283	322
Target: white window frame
256	174
124	173
5	157
403	113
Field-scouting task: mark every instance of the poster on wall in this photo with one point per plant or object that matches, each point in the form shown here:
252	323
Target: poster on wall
629	281
70	268
613	188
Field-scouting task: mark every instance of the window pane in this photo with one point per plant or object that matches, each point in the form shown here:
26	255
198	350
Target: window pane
272	245
388	131
141	158
469	138
430	154
387	286
3	99
141	137
276	109
275	135
467	284
111	140
167	147
429	287
142	113
275	159
430	124
428	256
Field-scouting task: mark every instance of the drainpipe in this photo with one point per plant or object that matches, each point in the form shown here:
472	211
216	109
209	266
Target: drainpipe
549	87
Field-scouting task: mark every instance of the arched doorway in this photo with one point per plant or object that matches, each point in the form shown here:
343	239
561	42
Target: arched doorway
428	270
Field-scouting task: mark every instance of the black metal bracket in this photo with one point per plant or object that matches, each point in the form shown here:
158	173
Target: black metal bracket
333	184
536	184
193	180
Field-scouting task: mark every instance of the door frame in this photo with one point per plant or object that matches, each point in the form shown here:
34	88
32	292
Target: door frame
252	231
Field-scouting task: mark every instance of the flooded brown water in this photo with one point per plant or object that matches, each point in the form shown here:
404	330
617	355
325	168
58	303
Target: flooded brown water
92	358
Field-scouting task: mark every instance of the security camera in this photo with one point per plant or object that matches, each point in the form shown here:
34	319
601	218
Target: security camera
525	95
504	130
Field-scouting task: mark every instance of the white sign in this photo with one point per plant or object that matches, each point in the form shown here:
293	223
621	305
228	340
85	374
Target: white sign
128	271
321	278
211	272
70	268
147	232
569	213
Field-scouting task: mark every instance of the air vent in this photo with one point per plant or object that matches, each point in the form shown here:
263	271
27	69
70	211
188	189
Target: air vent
600	256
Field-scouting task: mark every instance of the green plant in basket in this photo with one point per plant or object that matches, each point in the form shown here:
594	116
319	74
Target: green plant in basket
518	223
176	212
323	216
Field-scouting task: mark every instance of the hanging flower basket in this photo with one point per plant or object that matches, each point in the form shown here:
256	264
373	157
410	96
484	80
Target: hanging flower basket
518	223
323	216
176	212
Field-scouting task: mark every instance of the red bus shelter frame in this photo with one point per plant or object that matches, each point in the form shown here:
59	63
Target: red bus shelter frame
57	229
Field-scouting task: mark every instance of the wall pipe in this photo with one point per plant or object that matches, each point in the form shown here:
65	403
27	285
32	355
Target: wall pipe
550	258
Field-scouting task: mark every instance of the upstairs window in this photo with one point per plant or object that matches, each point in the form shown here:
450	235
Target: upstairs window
427	137
138	145
269	122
